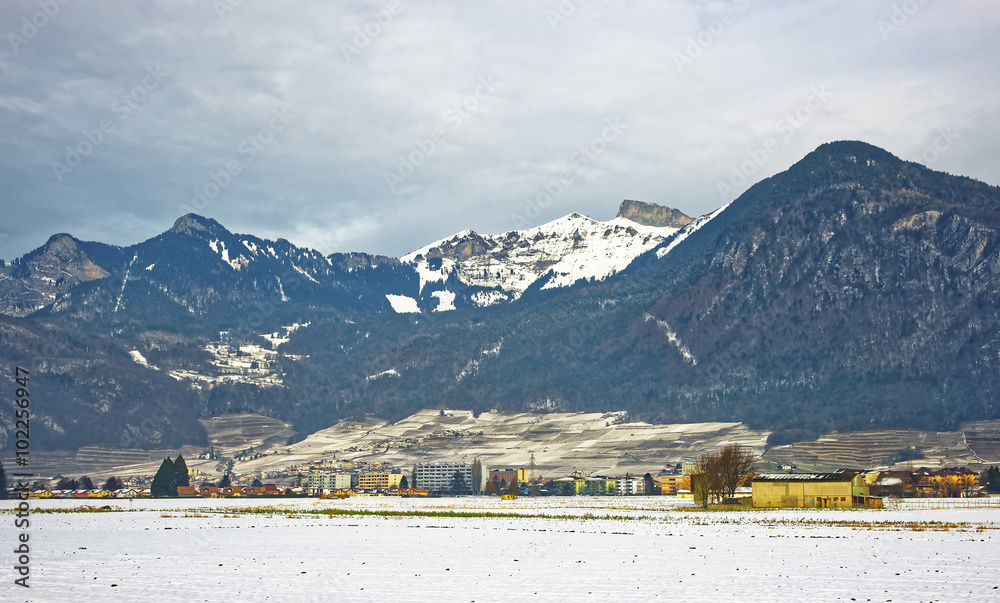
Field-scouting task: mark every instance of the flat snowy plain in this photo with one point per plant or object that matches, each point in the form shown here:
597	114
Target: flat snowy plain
554	549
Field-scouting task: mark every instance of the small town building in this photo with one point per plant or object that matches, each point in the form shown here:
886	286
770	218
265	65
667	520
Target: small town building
585	486
810	490
379	481
898	484
672	484
947	482
630	485
332	481
210	492
436	477
505	476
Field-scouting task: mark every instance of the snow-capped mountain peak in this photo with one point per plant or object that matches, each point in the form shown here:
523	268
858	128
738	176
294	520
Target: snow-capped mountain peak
491	269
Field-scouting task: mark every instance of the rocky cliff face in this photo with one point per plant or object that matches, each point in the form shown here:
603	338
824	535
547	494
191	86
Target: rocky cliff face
650	214
35	280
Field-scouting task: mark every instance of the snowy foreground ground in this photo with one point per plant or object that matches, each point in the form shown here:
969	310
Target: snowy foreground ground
556	549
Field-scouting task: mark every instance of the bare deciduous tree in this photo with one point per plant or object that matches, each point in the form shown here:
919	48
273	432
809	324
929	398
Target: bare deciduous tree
737	465
726	470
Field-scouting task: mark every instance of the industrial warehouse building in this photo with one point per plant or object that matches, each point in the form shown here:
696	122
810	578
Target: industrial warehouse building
811	490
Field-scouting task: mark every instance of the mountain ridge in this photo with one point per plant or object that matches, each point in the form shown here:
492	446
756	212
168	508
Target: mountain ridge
853	290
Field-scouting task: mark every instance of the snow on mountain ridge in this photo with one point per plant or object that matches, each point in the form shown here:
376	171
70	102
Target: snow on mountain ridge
568	249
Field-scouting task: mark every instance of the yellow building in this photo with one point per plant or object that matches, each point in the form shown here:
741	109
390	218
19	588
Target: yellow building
379	481
587	486
948	482
672	484
812	490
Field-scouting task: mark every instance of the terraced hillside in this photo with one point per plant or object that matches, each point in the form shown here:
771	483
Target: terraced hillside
229	434
983	437
591	443
560	442
868	449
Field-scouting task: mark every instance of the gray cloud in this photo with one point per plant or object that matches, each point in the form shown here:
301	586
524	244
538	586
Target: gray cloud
701	87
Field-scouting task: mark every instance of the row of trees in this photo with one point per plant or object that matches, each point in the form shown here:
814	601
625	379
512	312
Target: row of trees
494	488
66	483
85	483
227	480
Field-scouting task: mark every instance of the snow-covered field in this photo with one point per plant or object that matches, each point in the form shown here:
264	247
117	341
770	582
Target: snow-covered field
553	549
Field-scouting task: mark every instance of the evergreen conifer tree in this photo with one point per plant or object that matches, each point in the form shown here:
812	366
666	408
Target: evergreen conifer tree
458	485
181	472
993	479
3	483
165	480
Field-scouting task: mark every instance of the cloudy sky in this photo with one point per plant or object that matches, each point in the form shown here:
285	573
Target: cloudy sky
381	126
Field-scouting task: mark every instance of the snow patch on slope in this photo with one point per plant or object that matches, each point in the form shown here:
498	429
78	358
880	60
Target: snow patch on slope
304	273
388	373
219	247
402	304
446	300
138	358
488	298
674	339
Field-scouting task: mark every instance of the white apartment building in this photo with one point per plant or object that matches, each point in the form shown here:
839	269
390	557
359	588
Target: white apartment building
436	477
332	481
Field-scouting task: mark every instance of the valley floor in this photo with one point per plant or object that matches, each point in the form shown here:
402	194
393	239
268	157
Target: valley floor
484	549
